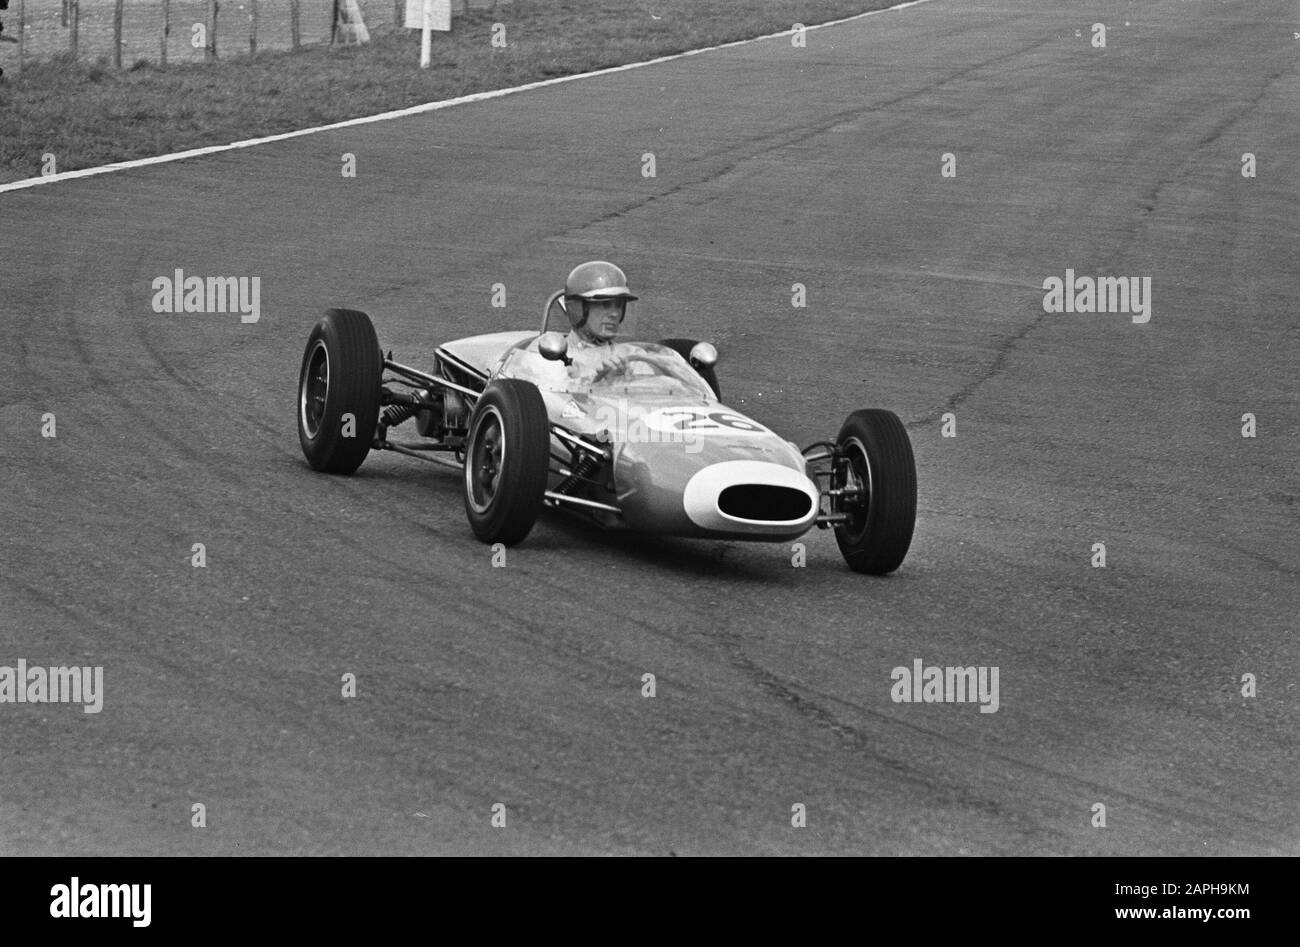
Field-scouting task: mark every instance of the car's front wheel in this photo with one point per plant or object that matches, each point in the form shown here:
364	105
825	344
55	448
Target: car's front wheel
877	472
339	389
507	460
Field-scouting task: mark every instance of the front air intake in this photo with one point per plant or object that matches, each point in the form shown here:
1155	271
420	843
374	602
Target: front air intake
764	503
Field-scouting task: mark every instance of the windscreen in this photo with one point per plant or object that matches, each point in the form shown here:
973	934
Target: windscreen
623	369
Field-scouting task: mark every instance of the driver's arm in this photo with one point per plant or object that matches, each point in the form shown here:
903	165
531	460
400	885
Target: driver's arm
614	365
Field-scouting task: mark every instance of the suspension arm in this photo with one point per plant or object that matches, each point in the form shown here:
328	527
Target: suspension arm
414	374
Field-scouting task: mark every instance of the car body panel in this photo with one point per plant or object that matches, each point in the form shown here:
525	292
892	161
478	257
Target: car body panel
683	463
483	352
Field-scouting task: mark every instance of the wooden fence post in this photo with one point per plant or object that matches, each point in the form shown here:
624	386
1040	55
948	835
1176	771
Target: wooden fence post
252	28
210	52
293	22
117	34
166	29
74	24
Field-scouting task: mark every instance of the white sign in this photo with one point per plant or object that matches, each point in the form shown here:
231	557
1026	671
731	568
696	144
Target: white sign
439	14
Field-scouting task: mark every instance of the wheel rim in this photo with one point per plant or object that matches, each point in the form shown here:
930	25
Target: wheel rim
313	388
486	459
855	474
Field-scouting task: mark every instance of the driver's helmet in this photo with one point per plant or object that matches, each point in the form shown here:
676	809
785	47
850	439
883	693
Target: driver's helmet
596	280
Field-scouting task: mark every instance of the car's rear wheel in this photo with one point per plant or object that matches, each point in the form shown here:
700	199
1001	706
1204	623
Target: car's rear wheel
507	460
876	466
683	348
339	390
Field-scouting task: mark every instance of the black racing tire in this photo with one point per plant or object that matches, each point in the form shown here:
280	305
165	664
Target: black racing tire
507	461
341	374
878	453
683	348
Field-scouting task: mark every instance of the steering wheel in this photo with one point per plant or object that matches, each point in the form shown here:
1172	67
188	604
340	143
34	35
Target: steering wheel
626	360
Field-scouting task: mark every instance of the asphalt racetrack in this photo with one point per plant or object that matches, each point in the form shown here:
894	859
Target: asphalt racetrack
522	685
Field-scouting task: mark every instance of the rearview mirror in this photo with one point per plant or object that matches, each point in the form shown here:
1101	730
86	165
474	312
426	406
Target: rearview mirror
554	347
703	355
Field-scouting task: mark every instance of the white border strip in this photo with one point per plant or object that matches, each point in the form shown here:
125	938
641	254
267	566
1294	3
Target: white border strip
416	109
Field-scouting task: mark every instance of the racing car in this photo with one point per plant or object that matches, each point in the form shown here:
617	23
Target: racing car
645	445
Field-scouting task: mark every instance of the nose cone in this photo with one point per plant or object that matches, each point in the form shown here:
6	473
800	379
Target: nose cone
751	498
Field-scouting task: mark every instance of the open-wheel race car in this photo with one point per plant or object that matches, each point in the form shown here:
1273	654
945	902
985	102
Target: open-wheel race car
631	435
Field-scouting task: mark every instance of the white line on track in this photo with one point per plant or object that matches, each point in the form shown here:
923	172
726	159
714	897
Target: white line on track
416	109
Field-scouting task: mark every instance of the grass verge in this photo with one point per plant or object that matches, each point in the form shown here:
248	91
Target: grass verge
88	114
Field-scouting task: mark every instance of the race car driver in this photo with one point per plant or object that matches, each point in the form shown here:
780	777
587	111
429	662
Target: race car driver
596	298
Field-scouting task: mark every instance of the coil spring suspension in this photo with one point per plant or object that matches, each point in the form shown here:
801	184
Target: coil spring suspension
584	466
395	414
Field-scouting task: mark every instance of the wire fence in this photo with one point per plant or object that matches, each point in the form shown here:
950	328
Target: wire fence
124	32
